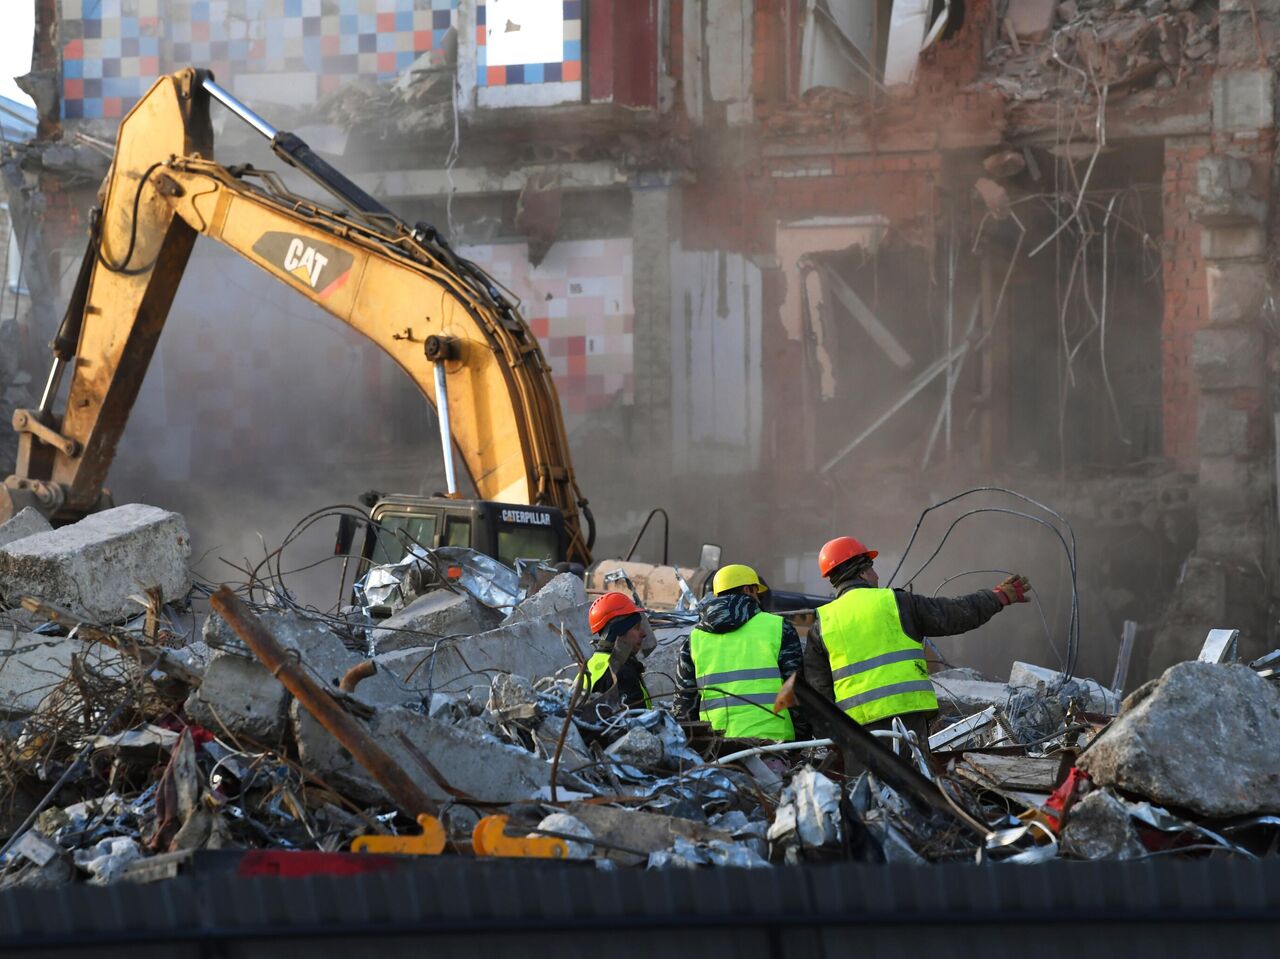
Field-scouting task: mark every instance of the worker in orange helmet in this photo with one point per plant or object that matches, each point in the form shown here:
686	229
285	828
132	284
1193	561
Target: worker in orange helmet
620	633
866	649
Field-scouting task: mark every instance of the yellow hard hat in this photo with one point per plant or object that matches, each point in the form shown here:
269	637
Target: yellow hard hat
733	576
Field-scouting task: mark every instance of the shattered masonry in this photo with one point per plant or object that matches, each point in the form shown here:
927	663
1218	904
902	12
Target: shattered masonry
1035	253
173	726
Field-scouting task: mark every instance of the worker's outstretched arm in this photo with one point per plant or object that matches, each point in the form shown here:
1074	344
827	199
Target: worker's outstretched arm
945	615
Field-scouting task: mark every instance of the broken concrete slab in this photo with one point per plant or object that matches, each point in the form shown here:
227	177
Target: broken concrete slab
642	831
530	648
969	695
26	523
478	766
1092	696
240	696
322	650
32	664
1202	737
562	594
1099	827
438	614
93	567
662	665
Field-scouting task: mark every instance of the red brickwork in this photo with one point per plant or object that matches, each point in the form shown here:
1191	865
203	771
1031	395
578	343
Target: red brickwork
1186	303
741	212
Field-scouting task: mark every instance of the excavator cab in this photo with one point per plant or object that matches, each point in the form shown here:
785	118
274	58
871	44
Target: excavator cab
504	531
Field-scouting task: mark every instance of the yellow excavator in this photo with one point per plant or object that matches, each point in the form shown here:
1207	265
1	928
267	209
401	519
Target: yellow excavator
440	317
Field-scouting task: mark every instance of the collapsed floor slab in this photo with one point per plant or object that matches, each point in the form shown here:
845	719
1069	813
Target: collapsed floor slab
477	766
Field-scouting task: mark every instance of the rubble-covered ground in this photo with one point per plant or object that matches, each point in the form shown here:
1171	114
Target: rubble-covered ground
138	722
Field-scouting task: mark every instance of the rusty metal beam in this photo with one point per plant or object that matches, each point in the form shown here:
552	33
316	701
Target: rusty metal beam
404	792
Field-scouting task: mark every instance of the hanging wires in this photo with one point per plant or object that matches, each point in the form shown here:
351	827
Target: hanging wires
1068	543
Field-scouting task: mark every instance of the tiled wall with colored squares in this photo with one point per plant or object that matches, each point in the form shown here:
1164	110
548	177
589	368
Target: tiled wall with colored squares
528	41
112	50
578	303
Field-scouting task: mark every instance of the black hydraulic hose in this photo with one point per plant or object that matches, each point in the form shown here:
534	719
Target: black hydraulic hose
591	524
295	151
67	338
666	534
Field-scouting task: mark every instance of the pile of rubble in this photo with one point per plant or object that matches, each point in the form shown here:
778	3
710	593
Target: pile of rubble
1047	47
148	716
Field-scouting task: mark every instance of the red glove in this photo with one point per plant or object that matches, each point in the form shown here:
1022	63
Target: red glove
1013	590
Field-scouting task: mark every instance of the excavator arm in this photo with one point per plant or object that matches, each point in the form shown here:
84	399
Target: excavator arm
442	319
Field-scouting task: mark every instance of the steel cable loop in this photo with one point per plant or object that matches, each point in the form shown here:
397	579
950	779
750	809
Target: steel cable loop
1068	543
1073	625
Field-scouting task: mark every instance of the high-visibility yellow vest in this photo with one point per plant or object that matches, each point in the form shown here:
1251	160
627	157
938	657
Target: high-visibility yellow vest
879	670
738	679
598	666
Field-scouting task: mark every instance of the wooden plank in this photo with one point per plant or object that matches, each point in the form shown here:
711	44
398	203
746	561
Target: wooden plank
1030	773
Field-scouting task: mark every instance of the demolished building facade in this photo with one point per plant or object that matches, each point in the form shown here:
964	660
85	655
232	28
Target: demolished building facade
819	258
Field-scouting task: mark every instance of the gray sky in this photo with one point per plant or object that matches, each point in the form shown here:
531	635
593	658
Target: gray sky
15	47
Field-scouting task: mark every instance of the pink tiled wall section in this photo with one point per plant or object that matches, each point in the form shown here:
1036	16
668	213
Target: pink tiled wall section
578	303
112	50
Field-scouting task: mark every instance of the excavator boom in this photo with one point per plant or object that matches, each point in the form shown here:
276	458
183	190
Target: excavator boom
441	318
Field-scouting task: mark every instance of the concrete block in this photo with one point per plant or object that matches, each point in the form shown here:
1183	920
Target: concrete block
26	523
1201	737
32	664
1243	100
1242	25
1229	357
478	765
1221	174
1237	290
92	567
1223	195
1228	211
531	648
1233	242
436	615
1223	431
240	696
1099	827
638	747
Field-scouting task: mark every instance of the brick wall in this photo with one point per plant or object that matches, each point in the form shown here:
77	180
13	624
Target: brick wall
740	212
1186	304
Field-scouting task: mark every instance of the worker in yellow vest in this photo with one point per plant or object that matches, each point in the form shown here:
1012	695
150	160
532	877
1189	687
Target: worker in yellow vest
736	659
618	625
866	649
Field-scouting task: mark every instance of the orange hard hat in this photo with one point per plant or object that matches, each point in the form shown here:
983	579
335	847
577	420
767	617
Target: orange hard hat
841	550
608	608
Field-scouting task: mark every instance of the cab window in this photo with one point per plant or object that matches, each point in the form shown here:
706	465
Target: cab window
527	542
457	531
401	530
